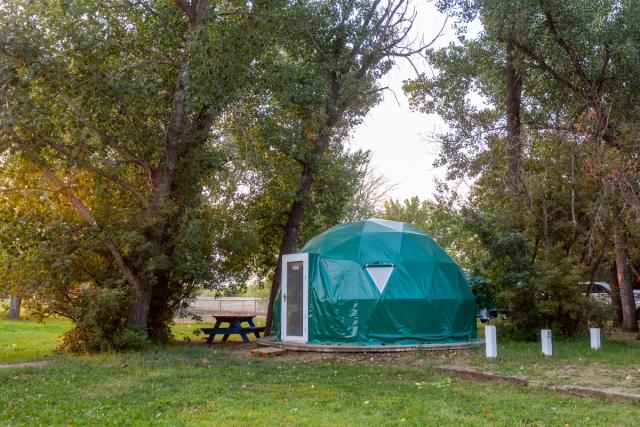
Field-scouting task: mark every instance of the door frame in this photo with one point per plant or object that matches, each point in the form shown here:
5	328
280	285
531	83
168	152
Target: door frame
305	297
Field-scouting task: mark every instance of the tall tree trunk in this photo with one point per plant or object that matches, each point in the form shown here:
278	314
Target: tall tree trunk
319	145
615	295
545	228
14	307
629	319
161	312
139	305
155	296
290	236
514	142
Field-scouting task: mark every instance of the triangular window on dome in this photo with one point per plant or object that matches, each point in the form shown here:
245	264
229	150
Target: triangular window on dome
380	275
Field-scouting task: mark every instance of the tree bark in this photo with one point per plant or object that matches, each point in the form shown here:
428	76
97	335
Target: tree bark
629	319
514	142
615	295
139	306
290	236
545	228
14	307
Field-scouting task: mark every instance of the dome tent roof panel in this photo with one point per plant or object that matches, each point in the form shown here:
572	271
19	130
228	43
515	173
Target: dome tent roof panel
343	279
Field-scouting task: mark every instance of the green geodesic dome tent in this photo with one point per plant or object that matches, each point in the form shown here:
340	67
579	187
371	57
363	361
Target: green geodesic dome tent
380	282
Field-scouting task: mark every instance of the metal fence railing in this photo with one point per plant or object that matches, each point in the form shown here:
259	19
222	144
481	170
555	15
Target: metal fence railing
227	305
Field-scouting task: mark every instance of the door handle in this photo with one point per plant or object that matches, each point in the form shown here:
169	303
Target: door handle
284	297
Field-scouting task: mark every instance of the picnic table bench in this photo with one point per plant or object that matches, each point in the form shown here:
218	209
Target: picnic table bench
235	327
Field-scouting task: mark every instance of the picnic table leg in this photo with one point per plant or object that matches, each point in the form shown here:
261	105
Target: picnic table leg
212	335
226	336
253	325
243	334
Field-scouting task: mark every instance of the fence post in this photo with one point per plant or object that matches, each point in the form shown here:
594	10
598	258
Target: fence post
545	337
490	341
595	338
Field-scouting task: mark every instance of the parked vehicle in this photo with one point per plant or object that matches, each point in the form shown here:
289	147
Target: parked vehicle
601	291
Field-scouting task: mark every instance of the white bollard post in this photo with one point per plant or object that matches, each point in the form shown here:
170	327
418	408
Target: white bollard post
545	337
490	341
595	338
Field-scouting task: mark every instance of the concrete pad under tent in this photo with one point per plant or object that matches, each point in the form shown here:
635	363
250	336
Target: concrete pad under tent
270	342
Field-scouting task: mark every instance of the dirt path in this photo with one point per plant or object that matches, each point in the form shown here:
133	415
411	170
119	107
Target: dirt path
33	364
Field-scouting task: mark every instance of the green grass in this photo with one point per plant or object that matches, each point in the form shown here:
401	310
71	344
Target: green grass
192	384
615	365
25	340
196	385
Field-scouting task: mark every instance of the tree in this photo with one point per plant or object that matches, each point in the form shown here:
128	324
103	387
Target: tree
113	105
554	80
351	44
14	307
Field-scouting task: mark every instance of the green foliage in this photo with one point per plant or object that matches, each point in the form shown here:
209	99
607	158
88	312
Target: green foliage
99	322
130	339
439	220
151	146
505	270
535	244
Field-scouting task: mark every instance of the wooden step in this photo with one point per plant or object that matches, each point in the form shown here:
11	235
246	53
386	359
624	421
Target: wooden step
267	351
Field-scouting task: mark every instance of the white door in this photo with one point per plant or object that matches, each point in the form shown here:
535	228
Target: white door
294	297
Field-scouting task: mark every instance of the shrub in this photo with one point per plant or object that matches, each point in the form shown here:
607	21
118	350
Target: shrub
100	323
552	299
130	339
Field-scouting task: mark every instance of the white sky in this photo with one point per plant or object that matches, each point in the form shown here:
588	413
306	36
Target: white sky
397	136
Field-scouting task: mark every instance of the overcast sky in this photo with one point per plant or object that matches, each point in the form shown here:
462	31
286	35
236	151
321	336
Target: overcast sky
397	136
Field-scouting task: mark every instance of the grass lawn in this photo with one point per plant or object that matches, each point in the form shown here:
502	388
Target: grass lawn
192	384
24	340
615	365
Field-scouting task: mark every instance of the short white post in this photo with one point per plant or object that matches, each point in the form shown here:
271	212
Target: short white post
595	338
545	336
490	341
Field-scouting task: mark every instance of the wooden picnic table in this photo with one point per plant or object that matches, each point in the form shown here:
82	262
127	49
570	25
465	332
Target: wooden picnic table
235	327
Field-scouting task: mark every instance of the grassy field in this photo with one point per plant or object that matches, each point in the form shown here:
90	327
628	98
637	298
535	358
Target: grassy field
615	365
28	340
192	384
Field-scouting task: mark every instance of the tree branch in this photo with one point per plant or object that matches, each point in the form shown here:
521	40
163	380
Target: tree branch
570	51
36	189
186	8
124	266
113	178
107	139
542	64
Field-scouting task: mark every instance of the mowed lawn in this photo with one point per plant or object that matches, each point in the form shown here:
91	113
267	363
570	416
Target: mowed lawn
223	385
616	365
25	340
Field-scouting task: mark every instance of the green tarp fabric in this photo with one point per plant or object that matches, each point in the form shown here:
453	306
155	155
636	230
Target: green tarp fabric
426	298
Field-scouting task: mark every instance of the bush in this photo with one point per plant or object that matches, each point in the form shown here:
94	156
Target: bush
100	316
130	339
552	299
